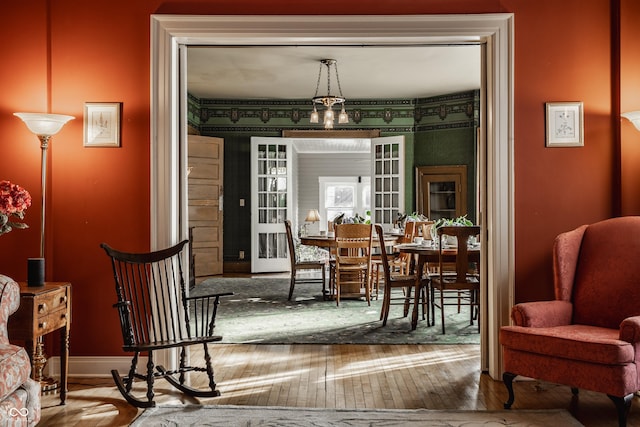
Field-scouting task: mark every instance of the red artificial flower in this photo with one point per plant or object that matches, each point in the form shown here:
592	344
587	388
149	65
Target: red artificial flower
14	200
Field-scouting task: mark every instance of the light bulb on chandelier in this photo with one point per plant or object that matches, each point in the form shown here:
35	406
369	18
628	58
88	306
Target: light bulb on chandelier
328	100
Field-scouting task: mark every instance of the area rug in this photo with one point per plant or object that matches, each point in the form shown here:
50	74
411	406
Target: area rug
259	312
237	416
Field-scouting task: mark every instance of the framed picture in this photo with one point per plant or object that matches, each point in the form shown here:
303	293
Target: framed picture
102	124
565	124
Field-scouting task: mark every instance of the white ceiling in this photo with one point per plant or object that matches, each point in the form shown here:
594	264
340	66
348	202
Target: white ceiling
366	72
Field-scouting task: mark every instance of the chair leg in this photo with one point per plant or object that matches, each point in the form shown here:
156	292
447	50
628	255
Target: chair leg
292	284
324	289
507	378
623	404
132	372
386	305
207	361
433	306
442	309
407	302
150	377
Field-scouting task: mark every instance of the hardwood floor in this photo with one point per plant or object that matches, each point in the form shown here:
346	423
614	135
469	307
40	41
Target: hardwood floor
338	376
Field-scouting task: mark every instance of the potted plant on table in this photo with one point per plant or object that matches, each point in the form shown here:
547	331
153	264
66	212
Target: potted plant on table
460	221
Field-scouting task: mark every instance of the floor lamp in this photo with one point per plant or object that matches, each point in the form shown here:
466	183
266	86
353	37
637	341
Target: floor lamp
44	126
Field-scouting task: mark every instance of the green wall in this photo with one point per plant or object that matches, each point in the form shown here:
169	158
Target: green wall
437	131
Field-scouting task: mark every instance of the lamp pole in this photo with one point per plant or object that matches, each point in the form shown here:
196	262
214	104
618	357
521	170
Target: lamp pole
44	145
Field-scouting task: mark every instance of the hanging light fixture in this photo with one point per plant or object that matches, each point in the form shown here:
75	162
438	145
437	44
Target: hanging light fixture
328	100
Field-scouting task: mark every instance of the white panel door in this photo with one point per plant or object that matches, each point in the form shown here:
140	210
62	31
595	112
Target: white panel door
387	176
271	202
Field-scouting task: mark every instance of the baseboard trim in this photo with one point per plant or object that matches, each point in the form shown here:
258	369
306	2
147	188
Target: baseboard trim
91	366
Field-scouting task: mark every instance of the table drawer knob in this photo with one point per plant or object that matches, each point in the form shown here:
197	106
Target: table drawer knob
42	308
42	325
63	299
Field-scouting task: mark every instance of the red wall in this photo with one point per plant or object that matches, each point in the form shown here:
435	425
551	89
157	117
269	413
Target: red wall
100	53
630	101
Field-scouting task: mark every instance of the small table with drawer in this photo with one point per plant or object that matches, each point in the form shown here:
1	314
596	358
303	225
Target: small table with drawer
43	309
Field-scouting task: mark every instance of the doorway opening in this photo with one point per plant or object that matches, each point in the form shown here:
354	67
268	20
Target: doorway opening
494	31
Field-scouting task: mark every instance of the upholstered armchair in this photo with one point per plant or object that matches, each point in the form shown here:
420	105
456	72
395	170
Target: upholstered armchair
589	336
19	394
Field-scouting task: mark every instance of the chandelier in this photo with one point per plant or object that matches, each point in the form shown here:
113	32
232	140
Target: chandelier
328	100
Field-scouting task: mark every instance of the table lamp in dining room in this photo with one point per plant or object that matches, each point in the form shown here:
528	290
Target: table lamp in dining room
312	217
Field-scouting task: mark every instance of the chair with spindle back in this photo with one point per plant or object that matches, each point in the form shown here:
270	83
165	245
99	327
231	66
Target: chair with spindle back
353	260
156	313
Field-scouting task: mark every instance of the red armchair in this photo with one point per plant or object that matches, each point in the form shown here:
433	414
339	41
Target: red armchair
589	336
19	394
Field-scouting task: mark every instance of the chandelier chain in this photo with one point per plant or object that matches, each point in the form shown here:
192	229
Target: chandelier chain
338	80
319	78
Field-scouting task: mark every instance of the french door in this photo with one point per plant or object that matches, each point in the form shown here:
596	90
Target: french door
388	176
274	195
271	202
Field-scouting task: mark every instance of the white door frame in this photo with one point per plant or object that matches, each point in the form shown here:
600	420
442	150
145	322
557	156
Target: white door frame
496	31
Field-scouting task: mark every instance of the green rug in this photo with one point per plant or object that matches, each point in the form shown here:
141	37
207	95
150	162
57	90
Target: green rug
260	313
304	417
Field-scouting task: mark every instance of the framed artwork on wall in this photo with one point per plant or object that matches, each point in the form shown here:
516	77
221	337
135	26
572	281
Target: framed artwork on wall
102	124
565	127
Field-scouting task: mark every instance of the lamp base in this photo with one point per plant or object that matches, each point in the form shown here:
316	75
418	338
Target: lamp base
47	384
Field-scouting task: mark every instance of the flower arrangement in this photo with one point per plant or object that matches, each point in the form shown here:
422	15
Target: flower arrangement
14	200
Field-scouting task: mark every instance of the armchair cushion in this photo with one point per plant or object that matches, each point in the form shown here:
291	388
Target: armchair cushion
15	368
576	342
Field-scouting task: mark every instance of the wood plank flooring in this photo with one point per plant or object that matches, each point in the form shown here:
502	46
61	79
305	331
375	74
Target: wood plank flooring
338	376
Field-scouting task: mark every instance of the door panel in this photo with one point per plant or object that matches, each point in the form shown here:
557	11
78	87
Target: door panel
387	179
271	203
205	212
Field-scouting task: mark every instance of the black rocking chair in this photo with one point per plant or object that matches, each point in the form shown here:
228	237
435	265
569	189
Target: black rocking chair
156	313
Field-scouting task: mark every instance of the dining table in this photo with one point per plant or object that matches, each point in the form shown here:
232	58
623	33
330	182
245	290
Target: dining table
329	242
427	252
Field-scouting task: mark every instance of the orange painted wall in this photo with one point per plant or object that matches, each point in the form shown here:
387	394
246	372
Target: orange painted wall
101	53
630	101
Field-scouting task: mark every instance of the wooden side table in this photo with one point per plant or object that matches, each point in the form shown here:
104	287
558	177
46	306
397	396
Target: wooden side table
44	309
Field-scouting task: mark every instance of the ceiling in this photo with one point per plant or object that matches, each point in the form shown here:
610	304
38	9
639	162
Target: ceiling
366	72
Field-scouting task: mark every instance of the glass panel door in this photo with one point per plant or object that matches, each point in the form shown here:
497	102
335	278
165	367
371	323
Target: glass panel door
271	195
387	189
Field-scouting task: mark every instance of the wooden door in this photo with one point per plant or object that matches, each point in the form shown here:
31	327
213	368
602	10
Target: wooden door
205	192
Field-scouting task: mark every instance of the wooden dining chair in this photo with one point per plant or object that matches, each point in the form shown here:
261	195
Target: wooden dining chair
463	285
353	260
406	282
156	313
298	266
399	263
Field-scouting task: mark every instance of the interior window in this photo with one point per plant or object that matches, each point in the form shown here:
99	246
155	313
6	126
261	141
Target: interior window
348	195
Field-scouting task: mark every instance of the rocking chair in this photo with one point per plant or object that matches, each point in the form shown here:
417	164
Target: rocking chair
155	313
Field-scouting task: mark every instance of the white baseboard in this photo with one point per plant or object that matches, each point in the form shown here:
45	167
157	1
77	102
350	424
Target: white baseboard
91	366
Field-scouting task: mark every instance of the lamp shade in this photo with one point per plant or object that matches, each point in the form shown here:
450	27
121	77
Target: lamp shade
312	216
43	124
633	117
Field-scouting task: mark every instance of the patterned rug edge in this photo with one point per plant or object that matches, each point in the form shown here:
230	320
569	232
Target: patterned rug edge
235	415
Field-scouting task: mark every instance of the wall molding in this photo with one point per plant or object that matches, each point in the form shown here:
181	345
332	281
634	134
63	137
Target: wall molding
92	366
495	32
